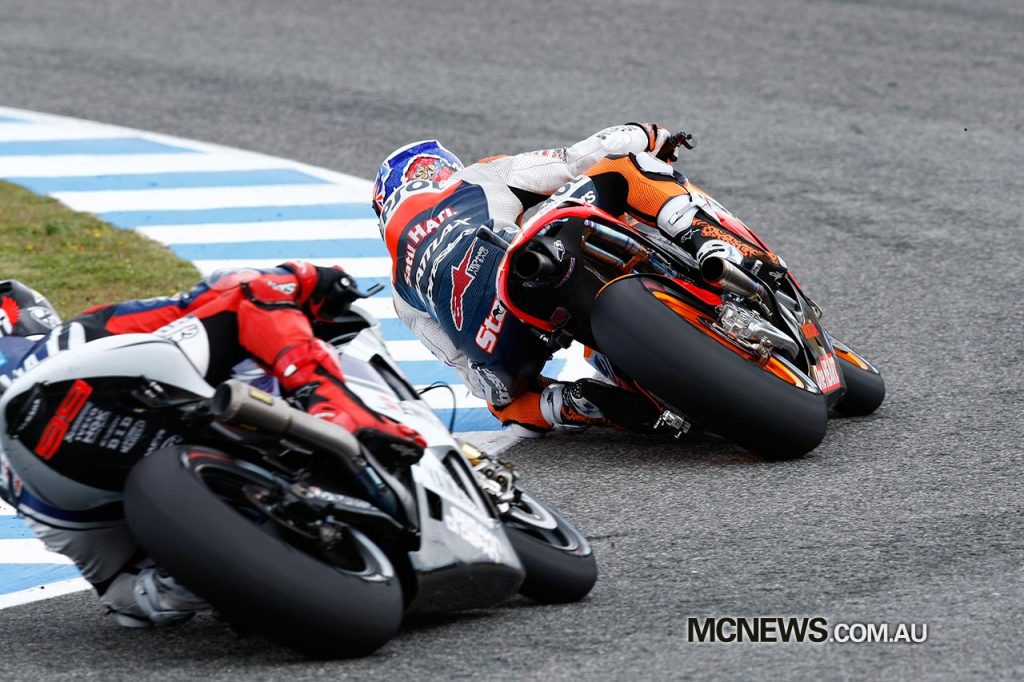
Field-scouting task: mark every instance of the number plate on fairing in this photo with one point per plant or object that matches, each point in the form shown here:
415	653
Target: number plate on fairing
826	374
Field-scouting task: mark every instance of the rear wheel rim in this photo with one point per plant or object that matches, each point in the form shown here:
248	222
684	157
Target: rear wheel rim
240	485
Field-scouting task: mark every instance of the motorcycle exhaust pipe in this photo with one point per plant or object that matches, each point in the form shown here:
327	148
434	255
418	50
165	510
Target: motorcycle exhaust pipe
722	272
532	265
239	404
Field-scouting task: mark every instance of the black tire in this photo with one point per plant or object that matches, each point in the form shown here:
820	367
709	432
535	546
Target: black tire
559	562
696	375
250	576
865	390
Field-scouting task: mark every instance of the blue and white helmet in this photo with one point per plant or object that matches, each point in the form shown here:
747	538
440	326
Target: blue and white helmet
423	160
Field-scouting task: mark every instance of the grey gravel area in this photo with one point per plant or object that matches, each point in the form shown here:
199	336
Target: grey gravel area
876	145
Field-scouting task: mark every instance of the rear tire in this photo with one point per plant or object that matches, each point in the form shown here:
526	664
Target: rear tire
250	576
695	374
865	390
559	562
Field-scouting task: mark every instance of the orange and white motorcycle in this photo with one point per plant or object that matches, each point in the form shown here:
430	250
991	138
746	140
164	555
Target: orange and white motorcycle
737	349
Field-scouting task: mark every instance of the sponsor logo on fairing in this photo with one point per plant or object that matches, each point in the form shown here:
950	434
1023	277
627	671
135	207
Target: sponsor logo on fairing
559	250
462	277
490	329
826	374
55	430
473	532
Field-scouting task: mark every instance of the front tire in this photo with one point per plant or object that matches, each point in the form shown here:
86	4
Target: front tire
865	390
249	574
559	562
699	376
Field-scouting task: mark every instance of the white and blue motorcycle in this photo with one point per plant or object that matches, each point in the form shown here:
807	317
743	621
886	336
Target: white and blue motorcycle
284	523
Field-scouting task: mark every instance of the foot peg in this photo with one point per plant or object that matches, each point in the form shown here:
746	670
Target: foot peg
670	422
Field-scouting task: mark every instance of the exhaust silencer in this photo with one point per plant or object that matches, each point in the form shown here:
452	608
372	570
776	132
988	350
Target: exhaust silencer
532	265
722	272
237	403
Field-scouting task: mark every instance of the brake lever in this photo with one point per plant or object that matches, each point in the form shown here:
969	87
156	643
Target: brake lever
372	291
349	286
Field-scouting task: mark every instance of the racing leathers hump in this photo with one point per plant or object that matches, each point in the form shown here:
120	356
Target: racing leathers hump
445	278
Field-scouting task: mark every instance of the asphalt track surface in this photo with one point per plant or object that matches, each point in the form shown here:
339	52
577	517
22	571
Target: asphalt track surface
876	145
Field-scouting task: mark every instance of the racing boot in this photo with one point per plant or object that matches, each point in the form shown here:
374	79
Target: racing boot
588	402
148	598
576	405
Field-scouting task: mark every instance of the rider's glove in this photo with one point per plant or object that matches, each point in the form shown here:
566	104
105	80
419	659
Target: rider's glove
656	135
374	430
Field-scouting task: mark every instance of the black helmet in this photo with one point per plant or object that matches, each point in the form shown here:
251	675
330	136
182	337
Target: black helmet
24	311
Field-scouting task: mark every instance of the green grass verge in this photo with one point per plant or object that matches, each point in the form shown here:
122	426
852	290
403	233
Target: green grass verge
77	260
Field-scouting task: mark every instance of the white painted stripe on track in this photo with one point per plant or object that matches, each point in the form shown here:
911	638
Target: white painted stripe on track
409	351
442	400
335	177
28	552
192	198
131	164
381	307
32	594
232	233
357	267
79	130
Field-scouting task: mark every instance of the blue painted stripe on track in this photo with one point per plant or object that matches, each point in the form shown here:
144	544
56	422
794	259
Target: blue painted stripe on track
394	330
470	419
108	145
313	248
423	372
182	180
14	528
17	577
243	214
11	119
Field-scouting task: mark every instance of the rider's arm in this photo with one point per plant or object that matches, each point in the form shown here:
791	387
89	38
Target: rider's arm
651	191
638	184
533	176
277	333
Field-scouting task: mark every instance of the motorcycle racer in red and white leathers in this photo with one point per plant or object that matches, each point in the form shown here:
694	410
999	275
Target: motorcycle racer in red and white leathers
444	277
228	317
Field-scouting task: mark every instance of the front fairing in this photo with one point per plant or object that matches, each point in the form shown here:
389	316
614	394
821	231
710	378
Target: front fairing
464	559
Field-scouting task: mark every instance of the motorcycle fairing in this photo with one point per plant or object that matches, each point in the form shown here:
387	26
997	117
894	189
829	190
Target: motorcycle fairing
465	559
120	360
